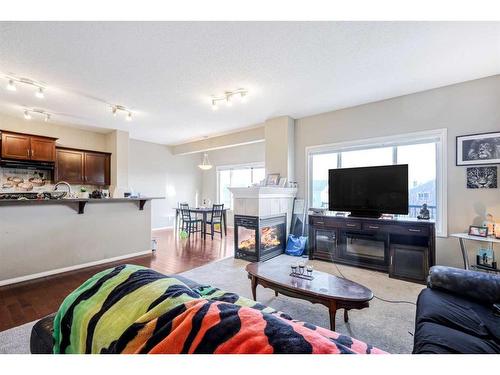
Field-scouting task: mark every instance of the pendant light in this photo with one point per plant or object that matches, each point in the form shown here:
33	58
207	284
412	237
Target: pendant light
205	164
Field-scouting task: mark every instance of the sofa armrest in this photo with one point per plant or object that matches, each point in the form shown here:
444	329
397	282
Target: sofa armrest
479	286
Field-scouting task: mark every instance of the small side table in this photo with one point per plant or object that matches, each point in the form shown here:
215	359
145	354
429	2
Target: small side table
462	237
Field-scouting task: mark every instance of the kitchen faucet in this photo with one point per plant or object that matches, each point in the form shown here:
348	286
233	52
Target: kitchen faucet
63	183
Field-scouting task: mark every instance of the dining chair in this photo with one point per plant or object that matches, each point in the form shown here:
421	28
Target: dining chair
189	224
180	205
216	218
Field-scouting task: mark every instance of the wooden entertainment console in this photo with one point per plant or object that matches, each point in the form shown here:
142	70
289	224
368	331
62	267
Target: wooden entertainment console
403	248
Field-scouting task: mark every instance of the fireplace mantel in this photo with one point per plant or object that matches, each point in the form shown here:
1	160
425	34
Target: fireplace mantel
263	192
264	201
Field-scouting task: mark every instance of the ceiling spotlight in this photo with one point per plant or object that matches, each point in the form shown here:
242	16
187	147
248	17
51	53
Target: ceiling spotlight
113	111
243	96
27	115
129	116
47	117
11	86
39	93
214	105
229	101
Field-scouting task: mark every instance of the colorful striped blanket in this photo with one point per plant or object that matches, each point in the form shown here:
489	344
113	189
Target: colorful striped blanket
132	309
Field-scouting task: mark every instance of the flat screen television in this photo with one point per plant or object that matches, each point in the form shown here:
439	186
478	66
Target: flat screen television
369	191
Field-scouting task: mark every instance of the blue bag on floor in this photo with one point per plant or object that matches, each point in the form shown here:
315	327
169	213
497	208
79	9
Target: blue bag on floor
296	245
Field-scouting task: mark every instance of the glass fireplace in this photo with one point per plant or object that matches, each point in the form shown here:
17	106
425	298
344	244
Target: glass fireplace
258	239
364	249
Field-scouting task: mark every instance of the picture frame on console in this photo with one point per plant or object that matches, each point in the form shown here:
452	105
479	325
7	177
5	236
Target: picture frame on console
478	149
273	179
478	231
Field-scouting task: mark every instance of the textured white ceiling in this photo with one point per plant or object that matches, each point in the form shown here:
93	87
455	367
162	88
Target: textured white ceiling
166	71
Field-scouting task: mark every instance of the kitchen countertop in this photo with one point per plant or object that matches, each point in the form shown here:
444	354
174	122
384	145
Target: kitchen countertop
81	202
70	200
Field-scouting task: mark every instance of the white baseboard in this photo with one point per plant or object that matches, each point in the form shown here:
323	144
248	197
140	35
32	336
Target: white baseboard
70	268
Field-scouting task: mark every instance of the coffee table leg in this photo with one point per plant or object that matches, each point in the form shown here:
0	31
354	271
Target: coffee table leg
346	316
276	293
333	312
254	288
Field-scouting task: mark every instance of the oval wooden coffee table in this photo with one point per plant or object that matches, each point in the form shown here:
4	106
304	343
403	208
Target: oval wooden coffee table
331	291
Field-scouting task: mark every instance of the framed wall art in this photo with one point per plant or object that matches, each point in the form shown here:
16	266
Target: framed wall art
477	149
482	177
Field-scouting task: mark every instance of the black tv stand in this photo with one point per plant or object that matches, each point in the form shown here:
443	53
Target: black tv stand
403	248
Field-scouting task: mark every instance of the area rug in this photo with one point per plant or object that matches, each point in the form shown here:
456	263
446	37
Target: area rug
16	340
388	326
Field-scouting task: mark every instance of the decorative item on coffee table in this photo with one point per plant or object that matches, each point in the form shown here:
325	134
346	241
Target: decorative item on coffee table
302	271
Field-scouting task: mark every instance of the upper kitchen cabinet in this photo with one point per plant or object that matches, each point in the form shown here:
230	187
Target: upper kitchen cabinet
27	147
15	146
69	166
43	149
82	167
96	168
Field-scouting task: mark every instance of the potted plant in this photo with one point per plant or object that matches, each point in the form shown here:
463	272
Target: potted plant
84	193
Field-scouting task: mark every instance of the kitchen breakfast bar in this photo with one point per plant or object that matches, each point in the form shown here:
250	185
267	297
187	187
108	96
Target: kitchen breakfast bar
44	237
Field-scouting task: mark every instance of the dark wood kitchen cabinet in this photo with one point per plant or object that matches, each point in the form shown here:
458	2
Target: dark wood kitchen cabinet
15	146
82	167
69	166
42	149
28	147
96	168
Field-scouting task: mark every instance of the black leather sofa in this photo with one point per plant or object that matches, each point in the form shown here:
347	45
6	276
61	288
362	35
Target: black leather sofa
456	313
41	341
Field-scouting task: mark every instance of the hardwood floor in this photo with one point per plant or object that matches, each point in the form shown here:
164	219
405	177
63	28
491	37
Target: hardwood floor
24	302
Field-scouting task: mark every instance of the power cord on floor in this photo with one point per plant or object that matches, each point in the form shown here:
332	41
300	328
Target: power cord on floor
375	296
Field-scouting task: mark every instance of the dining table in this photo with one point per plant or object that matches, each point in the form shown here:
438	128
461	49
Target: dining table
203	211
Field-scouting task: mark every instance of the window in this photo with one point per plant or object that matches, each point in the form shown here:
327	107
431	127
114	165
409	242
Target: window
423	152
237	176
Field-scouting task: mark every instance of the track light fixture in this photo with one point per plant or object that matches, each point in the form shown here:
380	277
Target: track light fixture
11	86
227	98
39	93
117	107
29	111
13	80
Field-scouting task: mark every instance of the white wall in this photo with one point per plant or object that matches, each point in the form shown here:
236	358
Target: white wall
252	153
466	108
155	172
67	136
